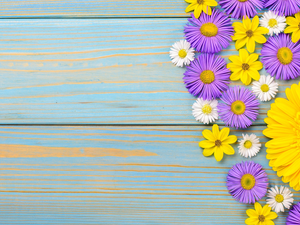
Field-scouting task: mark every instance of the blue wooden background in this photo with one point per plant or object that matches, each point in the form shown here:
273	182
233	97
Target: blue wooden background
96	124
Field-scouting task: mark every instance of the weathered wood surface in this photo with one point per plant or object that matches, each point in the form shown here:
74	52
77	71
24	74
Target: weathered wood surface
117	175
66	70
95	72
92	8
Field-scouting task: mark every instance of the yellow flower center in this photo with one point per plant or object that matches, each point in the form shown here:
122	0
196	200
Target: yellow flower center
245	66
249	33
248	144
238	107
279	198
200	2
272	23
261	218
242	0
265	88
285	55
248	181
206	109
182	53
209	30
218	143
299	25
207	76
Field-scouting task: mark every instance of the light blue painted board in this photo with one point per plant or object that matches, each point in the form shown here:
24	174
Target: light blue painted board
83	8
95	72
174	185
88	9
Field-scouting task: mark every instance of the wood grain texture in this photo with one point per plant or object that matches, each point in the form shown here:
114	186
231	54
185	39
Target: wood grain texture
95	71
174	185
92	8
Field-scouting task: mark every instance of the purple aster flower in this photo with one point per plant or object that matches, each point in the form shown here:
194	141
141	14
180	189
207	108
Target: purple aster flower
283	7
247	182
209	34
239	107
241	8
294	215
207	76
281	57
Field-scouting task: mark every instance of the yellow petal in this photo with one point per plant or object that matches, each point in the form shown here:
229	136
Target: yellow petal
238	35
224	133
211	2
218	154
255	23
292	21
215	130
234	67
241	43
262	30
250	45
243	55
236	75
266	210
206	144
258	208
297	16
206	9
230	139
207	134
251	221
235	59
208	151
271	216
256	65
251	213
238	27
290	29
191	7
247	23
259	38
269	222
254	74
252	58
296	36
191	1
245	78
198	11
227	149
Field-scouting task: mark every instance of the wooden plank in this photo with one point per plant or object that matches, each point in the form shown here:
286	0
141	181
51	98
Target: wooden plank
92	8
136	175
95	71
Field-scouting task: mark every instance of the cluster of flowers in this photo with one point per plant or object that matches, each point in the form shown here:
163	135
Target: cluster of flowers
208	75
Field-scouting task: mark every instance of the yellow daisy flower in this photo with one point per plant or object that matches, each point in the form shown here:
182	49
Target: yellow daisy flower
200	5
247	33
261	215
294	27
244	67
218	142
284	129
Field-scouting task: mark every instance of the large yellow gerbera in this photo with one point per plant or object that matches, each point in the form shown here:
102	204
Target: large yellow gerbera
284	128
218	142
244	67
294	27
200	5
247	33
261	215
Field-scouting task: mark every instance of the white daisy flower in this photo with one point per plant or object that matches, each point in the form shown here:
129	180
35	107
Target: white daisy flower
205	111
249	146
278	199
266	88
273	22
181	53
